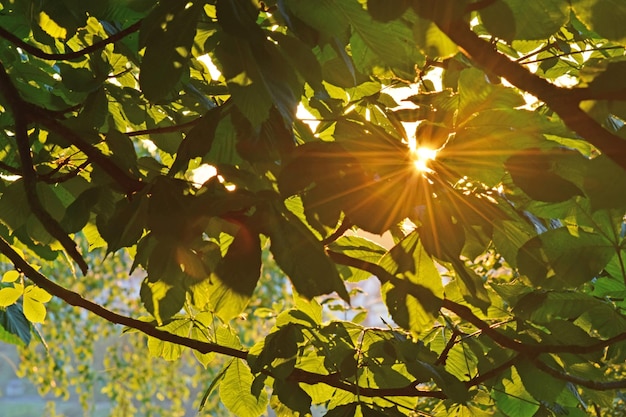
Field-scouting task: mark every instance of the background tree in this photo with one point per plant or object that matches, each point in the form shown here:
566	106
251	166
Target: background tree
507	279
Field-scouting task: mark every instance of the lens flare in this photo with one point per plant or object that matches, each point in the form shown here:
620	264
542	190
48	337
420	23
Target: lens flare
422	156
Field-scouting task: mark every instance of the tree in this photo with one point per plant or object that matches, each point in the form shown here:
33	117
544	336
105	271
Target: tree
507	279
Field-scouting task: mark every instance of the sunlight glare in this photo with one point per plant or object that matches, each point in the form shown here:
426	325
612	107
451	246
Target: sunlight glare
422	156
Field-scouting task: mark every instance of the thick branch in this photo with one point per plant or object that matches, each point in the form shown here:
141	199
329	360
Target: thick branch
33	50
29	176
564	102
76	300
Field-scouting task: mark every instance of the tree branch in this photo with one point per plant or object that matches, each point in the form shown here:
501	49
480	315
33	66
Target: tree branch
333	380
587	383
165	129
465	313
77	300
33	50
127	182
29	176
345	225
298	375
564	102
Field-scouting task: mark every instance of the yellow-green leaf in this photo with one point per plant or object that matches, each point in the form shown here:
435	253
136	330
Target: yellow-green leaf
34	311
37	294
9	295
235	391
10	276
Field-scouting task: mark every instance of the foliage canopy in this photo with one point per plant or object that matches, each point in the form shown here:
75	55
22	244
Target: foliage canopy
507	280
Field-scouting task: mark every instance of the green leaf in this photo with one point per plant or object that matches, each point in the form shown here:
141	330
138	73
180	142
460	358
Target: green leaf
519	19
241	266
345	410
167	350
302	258
292	396
603	16
258	77
79	211
477	93
214	384
162	300
13	321
235	391
512	398
123	151
384	10
167	33
533	171
602	178
409	261
361	248
560	258
501	130
432	40
198	141
126	224
499	20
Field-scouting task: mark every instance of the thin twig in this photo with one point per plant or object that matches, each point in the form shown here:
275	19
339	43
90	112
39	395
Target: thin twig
33	50
587	383
165	129
604	48
345	225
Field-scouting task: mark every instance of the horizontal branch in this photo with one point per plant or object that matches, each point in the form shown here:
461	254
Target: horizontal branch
74	299
164	129
33	50
587	383
306	377
466	313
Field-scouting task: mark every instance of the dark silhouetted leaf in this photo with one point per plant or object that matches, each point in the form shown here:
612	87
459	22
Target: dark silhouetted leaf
603	16
385	10
167	35
532	171
499	19
302	258
162	300
241	266
561	259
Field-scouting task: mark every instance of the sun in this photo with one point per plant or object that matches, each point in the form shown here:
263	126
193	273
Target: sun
421	158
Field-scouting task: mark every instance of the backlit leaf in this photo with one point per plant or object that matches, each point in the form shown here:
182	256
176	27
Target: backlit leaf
235	391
